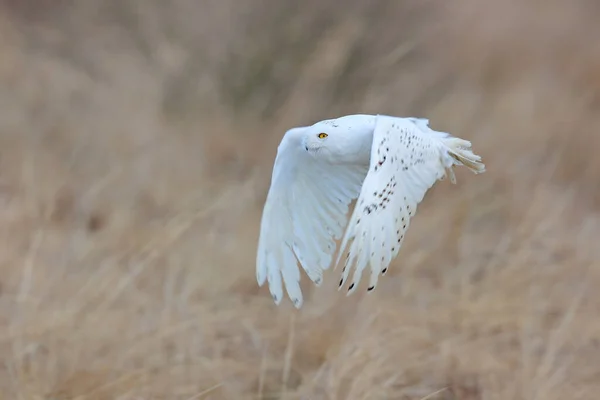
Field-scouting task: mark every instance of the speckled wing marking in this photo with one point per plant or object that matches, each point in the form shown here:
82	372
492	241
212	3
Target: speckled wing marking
405	162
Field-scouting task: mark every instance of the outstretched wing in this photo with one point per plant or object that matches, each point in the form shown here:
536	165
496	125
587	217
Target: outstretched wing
305	211
407	158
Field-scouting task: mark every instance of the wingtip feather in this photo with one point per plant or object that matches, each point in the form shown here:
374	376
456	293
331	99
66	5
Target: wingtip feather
460	151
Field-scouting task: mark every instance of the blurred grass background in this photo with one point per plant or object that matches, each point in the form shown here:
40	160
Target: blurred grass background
136	142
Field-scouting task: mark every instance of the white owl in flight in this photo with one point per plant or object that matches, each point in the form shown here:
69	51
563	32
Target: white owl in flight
385	163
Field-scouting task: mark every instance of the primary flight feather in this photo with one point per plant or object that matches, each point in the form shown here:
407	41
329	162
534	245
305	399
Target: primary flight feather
385	163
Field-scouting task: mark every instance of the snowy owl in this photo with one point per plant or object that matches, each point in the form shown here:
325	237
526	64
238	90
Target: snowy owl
385	163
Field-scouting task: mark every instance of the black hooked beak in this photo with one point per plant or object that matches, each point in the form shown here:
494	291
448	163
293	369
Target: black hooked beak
306	147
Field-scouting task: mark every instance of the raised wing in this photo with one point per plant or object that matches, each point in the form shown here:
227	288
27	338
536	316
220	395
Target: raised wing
305	211
407	158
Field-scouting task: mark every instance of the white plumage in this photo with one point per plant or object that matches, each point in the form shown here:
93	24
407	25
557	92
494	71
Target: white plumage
385	163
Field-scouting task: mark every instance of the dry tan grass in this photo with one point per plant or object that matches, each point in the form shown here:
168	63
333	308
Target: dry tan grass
136	141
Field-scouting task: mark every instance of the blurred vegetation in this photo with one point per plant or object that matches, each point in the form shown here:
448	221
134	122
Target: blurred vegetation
136	144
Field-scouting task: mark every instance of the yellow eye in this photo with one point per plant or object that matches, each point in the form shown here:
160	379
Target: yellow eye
322	135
